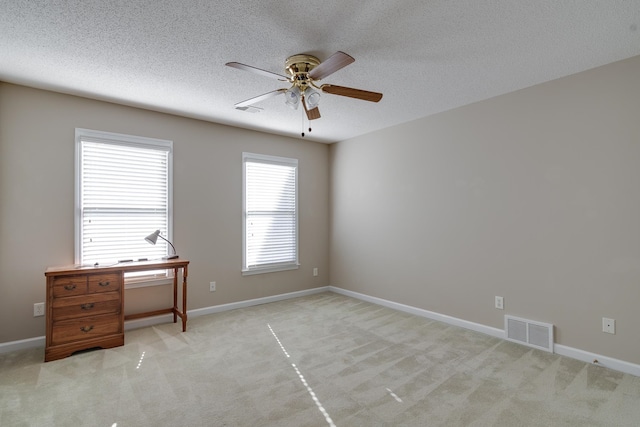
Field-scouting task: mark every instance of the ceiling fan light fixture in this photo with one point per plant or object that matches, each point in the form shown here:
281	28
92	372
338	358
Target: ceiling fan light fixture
292	97
312	98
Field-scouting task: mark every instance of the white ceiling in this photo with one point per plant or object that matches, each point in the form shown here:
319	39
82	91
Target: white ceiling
425	56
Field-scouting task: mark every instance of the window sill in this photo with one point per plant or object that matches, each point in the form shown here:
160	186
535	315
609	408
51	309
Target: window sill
271	269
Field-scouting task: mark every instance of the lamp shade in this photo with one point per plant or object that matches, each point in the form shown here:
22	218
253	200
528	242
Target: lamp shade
312	97
292	97
153	237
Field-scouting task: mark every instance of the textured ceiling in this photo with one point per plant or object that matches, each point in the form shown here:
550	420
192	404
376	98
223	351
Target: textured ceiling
425	56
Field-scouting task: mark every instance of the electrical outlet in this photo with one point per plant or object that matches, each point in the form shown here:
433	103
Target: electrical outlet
212	286
315	271
608	325
500	303
38	309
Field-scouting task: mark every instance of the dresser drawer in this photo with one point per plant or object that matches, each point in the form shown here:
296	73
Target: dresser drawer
104	282
66	286
85	305
67	331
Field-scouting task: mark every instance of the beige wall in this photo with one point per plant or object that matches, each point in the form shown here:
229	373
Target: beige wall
36	202
534	196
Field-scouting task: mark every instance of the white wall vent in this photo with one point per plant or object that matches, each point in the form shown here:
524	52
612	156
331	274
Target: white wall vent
528	332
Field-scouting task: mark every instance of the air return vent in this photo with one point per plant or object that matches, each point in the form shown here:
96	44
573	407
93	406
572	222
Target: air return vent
528	332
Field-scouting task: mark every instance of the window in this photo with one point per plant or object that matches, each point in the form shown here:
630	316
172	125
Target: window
123	194
270	207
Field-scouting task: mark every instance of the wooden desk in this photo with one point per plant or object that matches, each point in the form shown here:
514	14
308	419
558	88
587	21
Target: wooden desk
85	305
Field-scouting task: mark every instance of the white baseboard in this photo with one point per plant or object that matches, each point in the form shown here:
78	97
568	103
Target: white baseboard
257	301
7	347
598	359
563	350
499	333
585	356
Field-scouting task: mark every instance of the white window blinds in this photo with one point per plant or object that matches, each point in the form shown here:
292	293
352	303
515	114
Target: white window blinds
270	223
123	193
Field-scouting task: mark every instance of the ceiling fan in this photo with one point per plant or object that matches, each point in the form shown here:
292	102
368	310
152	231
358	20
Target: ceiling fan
303	71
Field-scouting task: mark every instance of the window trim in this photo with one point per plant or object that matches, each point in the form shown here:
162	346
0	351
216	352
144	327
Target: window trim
126	140
285	161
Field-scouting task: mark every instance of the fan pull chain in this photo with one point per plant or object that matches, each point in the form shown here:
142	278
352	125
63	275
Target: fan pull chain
303	116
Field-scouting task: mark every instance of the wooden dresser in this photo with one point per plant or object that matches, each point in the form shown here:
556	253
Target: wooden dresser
85	305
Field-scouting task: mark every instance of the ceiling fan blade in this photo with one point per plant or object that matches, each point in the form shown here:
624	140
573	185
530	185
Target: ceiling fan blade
312	114
255	70
365	95
330	65
259	98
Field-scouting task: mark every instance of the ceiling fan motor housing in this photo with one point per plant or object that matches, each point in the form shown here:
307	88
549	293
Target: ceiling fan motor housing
299	67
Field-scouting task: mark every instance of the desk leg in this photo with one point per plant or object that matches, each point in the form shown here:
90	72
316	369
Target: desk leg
184	298
175	295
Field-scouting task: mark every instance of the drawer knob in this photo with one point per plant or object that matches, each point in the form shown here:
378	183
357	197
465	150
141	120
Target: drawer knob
86	329
103	284
69	287
88	306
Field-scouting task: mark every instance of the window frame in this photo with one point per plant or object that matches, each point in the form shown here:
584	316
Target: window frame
161	277
277	160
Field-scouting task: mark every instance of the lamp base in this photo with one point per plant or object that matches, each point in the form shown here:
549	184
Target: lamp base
170	256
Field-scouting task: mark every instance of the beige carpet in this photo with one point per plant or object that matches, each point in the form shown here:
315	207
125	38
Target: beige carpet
321	360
